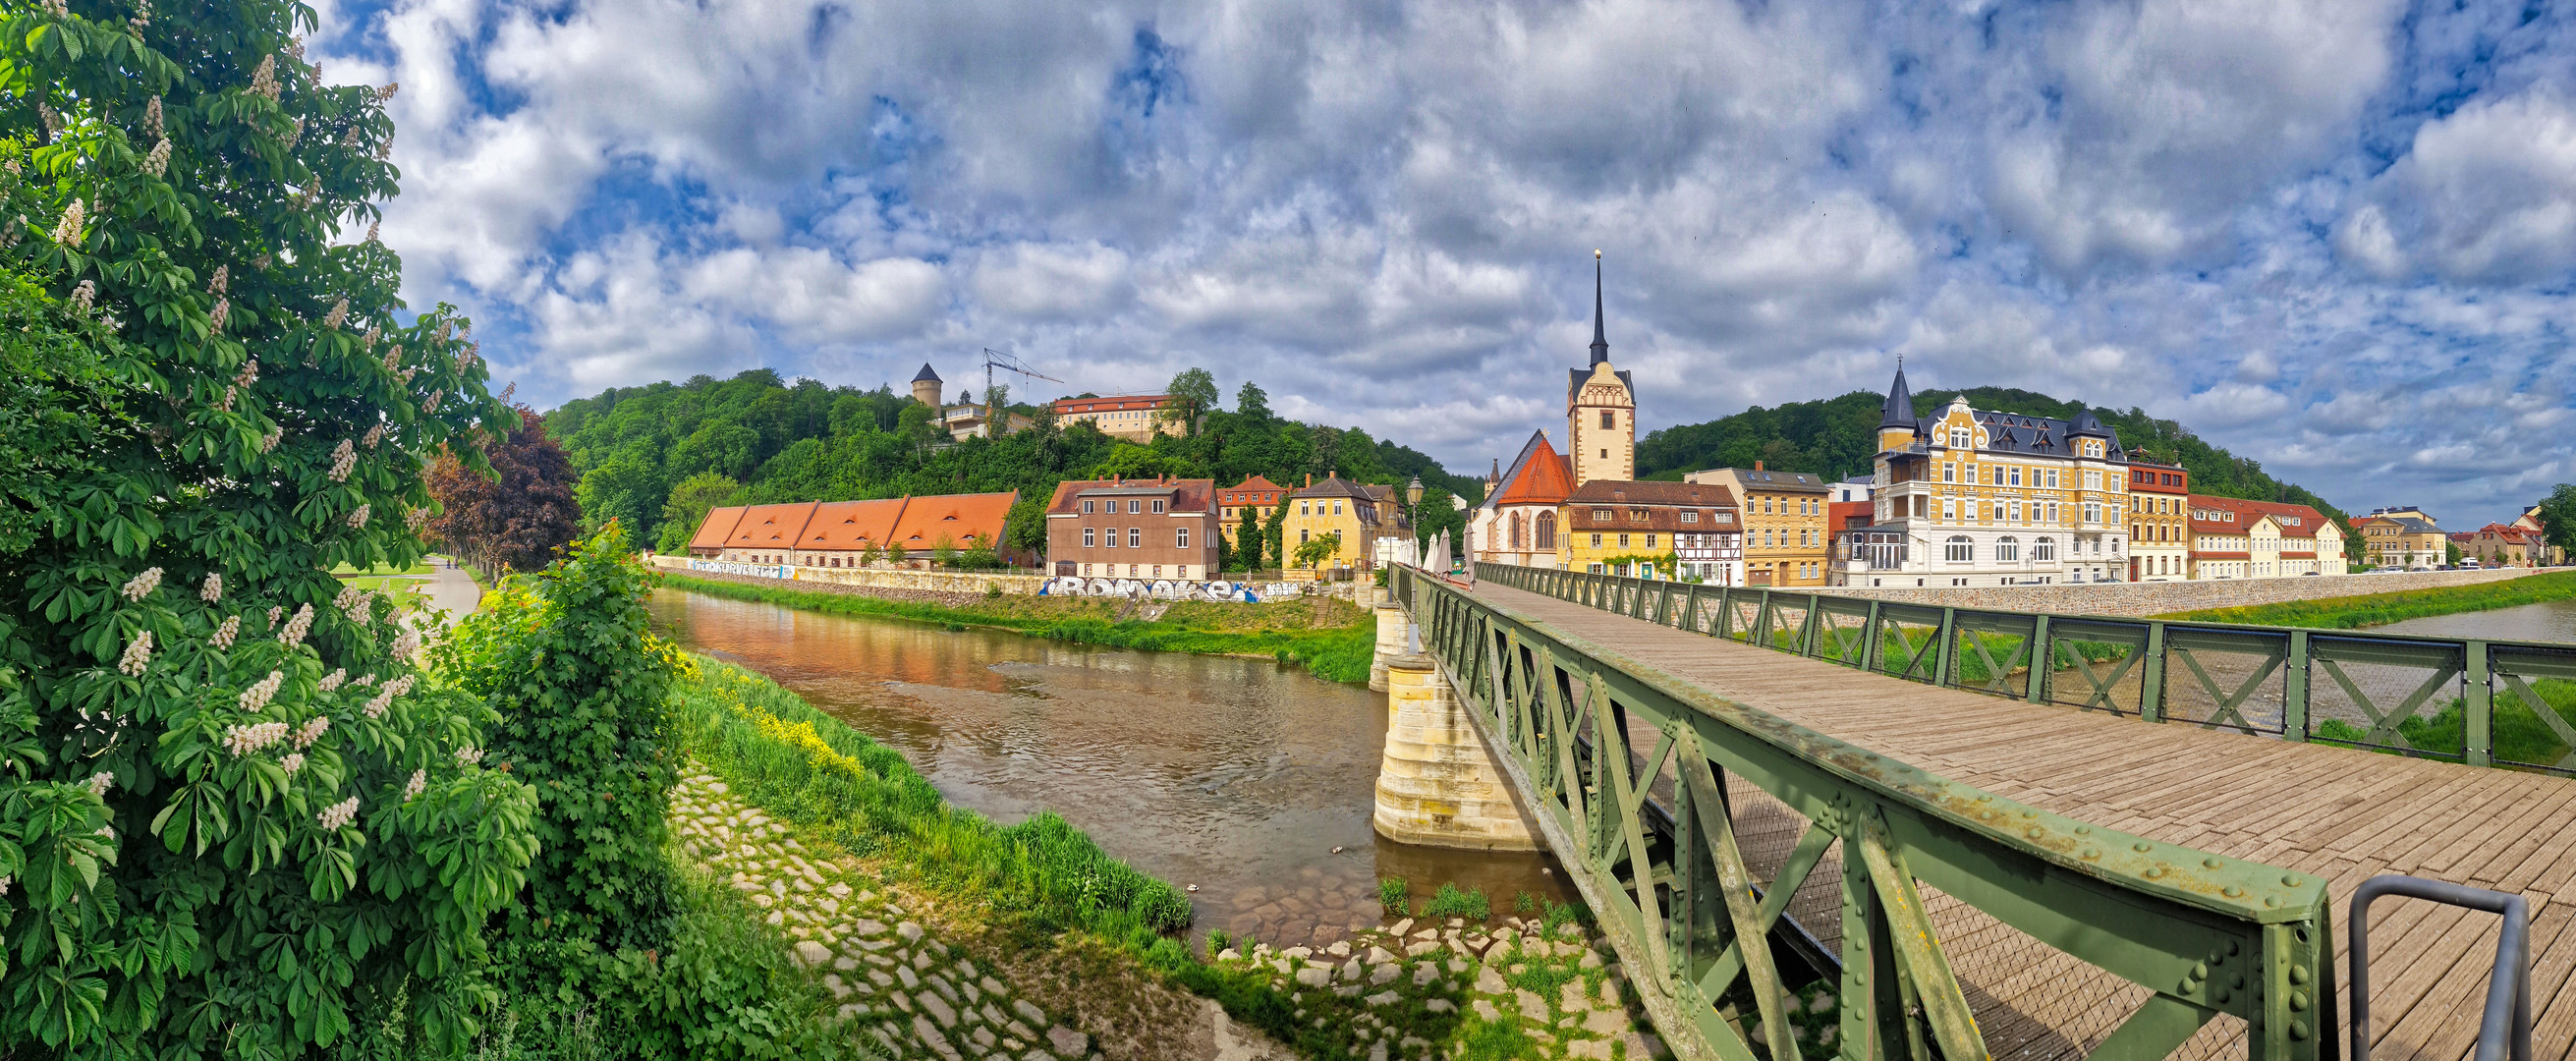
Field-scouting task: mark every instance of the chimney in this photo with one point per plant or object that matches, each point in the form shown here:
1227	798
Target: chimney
1310	478
1116	477
1757	466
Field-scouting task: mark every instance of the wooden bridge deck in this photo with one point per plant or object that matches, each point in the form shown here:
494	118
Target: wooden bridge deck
2342	814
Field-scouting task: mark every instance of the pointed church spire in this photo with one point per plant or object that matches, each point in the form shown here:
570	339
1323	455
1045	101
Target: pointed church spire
1600	346
1899	409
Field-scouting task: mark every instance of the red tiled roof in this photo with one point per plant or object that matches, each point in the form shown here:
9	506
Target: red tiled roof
965	520
1258	490
1113	403
771	526
851	524
2249	512
1840	514
1188	495
718	525
1543	480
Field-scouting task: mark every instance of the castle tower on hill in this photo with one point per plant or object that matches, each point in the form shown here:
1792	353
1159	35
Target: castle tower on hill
1600	409
925	386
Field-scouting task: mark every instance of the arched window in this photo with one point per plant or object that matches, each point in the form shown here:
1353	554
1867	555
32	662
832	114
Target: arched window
2008	549
1520	530
2043	550
1547	530
1960	550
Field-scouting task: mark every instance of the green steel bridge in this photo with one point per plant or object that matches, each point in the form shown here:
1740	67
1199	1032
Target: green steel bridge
2031	836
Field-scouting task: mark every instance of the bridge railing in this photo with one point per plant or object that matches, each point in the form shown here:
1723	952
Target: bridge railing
2466	700
1625	768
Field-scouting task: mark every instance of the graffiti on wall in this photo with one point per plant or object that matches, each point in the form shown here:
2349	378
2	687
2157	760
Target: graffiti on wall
736	567
1158	589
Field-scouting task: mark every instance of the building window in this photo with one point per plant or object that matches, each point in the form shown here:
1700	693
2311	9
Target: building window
1158	506
2016	509
1086	507
1135	537
1949	473
1636	515
1086	538
1547	530
1690	515
1109	538
1949	509
1337	508
1623	541
1596	543
1601	514
1650	541
1302	508
2008	549
1181	537
1609	419
1958	438
1959	549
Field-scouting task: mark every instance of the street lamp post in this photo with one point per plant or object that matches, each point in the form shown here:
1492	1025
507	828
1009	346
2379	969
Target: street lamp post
1413	500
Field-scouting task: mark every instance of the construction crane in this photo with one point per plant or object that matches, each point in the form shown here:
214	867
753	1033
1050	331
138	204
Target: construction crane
994	359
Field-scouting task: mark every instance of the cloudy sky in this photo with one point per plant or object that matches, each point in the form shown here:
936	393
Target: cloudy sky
2337	236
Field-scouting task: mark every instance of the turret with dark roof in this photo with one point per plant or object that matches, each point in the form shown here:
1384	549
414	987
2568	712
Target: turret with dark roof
1600	342
1898	411
926	374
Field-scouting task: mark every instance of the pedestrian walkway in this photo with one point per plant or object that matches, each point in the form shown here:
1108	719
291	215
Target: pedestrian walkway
2343	814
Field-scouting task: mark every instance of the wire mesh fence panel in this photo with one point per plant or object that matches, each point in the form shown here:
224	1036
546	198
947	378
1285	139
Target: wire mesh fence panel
2227	679
1842	630
2097	666
1993	651
2397	696
2534	693
1909	644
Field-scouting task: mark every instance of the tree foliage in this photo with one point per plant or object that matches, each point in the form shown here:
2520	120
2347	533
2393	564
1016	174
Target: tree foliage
234	815
516	516
2558	517
635	448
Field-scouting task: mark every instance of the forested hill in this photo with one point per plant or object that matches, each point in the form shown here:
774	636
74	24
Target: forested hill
657	457
1836	438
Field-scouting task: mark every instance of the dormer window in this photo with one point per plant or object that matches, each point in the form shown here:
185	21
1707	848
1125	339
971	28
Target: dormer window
1958	438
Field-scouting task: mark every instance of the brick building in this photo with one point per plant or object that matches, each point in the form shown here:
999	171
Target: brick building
2159	522
1133	528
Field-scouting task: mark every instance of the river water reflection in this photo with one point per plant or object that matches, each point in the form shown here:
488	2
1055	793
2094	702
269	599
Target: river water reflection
2545	621
1238	775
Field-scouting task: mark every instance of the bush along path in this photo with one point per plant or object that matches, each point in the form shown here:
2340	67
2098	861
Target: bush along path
912	993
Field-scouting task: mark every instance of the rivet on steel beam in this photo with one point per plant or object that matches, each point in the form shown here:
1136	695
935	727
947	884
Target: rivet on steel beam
2211	863
2298	1029
2231	946
2298	1000
2200	970
2092	852
2083	830
1984	798
2142	847
2222	995
2028	813
2035	832
2292	880
2298	974
2189	985
2154	872
2231	891
2271	900
2239	981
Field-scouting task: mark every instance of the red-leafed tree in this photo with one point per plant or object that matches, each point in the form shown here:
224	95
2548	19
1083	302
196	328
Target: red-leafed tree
520	515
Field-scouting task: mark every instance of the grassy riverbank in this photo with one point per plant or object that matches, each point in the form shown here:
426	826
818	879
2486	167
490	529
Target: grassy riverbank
1332	638
2380	609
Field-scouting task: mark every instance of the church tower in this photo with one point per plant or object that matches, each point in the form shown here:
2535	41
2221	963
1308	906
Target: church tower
1600	409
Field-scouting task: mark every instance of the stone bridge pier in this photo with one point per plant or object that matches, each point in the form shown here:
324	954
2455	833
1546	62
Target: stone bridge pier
1437	784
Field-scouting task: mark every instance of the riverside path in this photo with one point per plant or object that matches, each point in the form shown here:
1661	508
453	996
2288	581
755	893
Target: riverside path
2035	869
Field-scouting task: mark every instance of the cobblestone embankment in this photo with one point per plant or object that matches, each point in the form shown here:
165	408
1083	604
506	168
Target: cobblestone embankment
2164	598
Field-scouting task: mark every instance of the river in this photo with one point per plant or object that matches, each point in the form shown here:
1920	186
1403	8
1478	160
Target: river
1252	780
2545	621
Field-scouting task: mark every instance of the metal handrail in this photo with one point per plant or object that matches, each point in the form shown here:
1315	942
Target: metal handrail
2508	1009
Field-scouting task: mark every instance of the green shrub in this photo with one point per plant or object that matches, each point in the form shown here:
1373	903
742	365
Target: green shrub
233	818
1390	892
1454	901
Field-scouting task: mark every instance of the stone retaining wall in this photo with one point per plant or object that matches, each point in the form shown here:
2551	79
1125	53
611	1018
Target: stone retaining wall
915	596
2160	598
970	583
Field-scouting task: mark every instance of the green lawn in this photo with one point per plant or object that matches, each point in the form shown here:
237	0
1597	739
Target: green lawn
419	568
2380	609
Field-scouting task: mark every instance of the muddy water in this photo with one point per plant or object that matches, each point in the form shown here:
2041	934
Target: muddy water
1240	776
2545	621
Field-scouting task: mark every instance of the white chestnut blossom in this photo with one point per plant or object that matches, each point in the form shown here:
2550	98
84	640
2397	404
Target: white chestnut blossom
274	613
388	91
225	634
404	647
432	404
368	341
158	162
339	815
296	627
373	228
293	762
99	783
418	784
358	519
269	441
344	458
68	231
339	312
363	682
312	730
253	738
215	320
213	589
393	358
295	132
256	697
139	586
364	611
85	293
468	756
249	373
138	655
331	682
417	518
375	707
375	435
263	81
222	280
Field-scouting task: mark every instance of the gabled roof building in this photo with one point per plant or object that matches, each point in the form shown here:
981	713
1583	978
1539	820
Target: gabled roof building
1517	521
